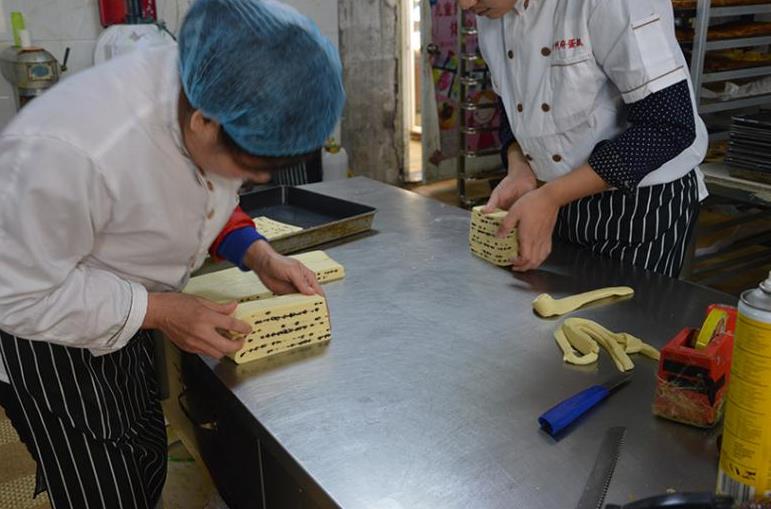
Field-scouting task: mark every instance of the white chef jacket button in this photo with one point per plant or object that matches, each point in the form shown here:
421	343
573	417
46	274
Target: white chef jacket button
556	158
545	107
520	107
528	157
210	185
545	51
210	214
511	54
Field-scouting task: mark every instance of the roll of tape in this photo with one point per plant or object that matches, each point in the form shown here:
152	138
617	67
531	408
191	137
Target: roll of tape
713	325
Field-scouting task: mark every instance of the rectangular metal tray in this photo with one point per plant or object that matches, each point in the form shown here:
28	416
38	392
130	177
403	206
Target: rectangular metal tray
323	218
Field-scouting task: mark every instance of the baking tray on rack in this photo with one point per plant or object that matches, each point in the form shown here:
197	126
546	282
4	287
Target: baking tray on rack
322	218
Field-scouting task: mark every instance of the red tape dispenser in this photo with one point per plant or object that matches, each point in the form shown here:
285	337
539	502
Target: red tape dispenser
694	370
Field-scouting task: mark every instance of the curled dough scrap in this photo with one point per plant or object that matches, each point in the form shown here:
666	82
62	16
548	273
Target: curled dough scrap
580	339
569	355
545	305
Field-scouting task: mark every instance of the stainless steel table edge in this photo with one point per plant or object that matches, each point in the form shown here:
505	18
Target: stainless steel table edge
359	433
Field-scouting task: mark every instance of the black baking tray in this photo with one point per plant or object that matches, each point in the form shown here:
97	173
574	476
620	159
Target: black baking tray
323	218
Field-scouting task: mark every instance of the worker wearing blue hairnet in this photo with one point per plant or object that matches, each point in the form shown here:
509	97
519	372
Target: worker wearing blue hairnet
118	182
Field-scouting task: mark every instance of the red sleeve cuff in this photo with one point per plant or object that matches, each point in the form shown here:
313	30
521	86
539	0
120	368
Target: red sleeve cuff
238	219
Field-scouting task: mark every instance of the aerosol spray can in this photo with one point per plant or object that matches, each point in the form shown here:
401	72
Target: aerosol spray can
745	458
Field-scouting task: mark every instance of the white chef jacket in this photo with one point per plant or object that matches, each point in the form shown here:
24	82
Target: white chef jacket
99	205
563	68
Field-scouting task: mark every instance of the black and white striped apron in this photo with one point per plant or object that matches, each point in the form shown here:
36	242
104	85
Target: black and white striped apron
95	423
650	228
295	175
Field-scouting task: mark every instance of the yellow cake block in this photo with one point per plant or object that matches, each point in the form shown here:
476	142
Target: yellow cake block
325	268
272	229
485	244
280	324
235	285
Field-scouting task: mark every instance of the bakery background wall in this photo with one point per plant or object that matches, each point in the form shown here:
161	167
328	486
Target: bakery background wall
366	32
54	25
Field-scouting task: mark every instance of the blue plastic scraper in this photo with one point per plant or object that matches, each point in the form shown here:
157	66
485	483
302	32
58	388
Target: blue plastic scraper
567	412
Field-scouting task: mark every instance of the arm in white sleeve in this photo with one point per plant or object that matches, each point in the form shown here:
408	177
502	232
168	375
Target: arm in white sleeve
52	204
634	43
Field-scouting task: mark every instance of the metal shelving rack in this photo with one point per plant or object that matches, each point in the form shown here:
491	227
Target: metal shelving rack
704	14
471	77
709	268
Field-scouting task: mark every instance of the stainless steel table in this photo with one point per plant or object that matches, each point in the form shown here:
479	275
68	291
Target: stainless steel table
428	394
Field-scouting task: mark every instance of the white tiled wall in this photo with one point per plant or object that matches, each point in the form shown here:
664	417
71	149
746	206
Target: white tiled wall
54	25
57	24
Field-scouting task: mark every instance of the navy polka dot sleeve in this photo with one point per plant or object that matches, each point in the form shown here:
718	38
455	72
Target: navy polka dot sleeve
662	126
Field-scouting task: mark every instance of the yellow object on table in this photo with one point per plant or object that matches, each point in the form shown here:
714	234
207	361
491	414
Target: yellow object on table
281	324
580	341
545	305
714	325
483	241
272	229
235	285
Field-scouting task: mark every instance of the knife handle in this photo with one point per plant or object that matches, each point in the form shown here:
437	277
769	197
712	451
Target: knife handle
565	413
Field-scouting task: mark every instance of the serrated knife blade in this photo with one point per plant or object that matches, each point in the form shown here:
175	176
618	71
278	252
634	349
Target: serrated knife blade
599	479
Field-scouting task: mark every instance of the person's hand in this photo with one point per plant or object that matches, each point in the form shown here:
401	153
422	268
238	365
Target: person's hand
534	215
281	274
195	325
490	8
516	184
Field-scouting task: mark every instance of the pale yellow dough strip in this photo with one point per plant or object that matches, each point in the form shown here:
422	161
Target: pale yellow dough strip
569	355
609	340
545	305
578	335
581	340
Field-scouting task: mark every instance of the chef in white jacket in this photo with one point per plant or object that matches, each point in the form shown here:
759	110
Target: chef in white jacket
115	184
599	102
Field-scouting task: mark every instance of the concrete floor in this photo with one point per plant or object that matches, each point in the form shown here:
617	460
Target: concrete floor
17	471
187	486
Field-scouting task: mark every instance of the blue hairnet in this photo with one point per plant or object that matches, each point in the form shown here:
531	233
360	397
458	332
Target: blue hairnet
264	72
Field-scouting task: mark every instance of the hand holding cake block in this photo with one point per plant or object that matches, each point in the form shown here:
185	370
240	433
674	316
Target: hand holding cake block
483	241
